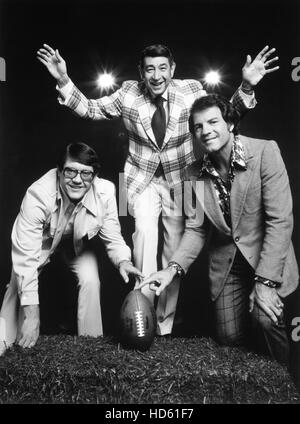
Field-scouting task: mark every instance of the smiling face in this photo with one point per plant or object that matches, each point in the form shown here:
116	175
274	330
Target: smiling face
157	74
76	187
211	131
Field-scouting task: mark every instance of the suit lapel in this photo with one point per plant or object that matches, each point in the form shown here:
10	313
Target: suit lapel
212	207
238	194
207	197
240	185
89	219
142	105
176	104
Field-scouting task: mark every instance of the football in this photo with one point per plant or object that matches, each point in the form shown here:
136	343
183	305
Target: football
137	321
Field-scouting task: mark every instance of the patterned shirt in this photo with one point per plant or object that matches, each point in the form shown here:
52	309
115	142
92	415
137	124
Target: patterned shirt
223	188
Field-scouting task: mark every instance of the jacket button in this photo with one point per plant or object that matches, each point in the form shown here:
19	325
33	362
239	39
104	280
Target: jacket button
237	239
229	260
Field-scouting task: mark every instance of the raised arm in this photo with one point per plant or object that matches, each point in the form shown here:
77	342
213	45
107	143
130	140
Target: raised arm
106	107
54	63
254	71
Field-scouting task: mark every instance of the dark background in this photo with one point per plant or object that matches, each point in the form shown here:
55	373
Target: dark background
108	34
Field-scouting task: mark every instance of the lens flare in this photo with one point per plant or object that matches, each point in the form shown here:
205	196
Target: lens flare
106	81
212	78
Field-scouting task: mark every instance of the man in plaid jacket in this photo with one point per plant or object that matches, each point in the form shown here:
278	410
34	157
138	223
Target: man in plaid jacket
153	169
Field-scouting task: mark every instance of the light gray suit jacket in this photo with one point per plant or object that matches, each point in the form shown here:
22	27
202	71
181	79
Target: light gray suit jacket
36	235
261	216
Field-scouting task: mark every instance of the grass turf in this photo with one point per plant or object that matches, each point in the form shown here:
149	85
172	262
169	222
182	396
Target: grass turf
67	369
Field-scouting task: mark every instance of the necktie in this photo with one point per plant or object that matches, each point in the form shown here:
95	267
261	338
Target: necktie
158	122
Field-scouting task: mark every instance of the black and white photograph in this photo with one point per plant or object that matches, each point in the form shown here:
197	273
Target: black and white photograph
150	237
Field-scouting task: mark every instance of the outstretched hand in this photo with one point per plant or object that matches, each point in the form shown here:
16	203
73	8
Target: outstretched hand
126	268
254	71
54	62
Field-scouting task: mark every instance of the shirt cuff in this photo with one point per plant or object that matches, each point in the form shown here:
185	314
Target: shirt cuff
248	99
29	298
128	259
64	92
123	260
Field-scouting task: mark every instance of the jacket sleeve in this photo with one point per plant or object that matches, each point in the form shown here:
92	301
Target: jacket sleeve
110	232
195	231
243	102
277	203
27	236
191	244
106	107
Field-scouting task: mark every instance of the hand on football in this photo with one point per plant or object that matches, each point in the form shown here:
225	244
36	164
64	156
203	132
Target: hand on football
126	268
158	281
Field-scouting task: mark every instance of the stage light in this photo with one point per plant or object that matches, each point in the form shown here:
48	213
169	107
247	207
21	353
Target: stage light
212	78
106	81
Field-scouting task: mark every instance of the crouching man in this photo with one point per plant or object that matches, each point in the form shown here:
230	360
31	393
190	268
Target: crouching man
61	213
242	186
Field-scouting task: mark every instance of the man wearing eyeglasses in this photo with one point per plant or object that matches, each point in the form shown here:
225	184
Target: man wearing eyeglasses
60	215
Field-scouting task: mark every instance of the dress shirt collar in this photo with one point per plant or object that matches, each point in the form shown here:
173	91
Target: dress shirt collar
165	94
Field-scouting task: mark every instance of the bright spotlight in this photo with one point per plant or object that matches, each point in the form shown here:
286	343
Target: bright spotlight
106	81
212	78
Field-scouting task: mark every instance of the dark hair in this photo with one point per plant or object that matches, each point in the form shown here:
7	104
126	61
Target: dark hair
79	152
228	111
154	51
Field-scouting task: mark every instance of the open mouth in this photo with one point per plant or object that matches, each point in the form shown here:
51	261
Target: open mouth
75	188
156	84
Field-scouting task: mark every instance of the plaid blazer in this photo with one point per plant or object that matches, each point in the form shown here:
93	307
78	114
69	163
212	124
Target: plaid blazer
131	102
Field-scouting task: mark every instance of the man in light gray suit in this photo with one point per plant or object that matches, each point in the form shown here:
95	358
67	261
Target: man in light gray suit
242	187
61	213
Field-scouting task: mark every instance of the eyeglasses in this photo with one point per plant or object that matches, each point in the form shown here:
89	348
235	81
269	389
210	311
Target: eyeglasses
72	173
